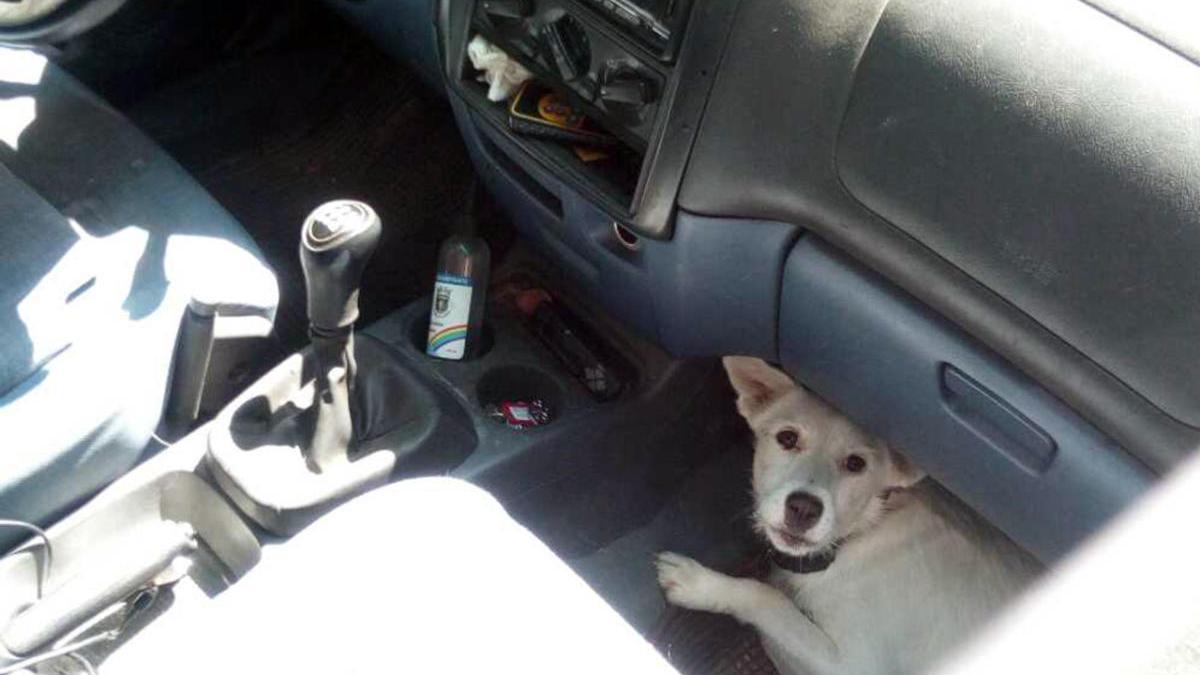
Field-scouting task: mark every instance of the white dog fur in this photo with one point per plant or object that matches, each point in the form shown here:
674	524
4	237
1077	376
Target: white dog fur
913	574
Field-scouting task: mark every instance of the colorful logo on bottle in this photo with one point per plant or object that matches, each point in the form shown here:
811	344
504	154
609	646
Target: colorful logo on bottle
447	336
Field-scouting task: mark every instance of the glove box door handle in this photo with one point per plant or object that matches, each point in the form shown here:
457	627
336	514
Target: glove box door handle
996	421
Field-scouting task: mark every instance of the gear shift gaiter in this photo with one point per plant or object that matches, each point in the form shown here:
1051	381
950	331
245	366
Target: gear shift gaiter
341	416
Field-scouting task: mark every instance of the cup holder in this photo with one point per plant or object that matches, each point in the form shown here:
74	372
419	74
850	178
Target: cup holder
418	333
509	384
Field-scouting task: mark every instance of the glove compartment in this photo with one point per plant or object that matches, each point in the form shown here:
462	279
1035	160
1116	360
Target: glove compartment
988	433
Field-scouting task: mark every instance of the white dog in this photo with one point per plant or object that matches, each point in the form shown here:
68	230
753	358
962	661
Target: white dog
873	573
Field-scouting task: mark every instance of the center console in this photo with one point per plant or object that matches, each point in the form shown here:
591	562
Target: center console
613	227
353	411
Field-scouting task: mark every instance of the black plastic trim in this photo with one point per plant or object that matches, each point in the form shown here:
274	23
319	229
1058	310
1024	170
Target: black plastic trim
682	109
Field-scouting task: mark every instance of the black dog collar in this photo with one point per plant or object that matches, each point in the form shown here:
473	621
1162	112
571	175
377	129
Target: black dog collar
804	564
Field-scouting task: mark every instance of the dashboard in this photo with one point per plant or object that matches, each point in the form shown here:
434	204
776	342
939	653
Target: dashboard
972	226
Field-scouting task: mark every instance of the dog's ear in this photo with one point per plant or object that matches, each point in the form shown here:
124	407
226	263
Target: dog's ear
756	383
903	472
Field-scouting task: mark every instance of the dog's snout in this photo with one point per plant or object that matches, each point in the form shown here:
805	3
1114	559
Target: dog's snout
802	511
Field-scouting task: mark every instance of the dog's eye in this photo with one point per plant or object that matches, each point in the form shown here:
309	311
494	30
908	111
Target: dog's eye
854	463
788	439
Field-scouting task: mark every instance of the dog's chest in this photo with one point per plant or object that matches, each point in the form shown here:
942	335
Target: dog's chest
896	600
852	601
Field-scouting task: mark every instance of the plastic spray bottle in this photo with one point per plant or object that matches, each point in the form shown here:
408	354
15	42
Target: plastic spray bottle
459	296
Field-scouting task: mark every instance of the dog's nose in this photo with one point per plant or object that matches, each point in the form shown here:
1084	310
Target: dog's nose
802	511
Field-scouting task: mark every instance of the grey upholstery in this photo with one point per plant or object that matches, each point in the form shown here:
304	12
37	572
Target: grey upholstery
422	576
104	240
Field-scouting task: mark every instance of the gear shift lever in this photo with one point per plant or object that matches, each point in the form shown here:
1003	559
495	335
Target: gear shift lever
292	445
336	242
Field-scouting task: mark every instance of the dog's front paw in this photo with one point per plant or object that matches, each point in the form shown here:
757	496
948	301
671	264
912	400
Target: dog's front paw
689	584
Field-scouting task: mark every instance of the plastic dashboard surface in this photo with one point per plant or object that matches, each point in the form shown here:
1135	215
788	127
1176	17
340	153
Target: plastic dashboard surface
1029	170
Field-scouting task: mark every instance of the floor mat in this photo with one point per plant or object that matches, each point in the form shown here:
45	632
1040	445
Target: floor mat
707	519
701	643
272	135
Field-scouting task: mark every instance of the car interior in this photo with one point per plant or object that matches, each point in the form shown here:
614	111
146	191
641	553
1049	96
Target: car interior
972	227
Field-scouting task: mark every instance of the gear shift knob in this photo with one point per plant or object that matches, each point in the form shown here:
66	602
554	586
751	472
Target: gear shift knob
337	241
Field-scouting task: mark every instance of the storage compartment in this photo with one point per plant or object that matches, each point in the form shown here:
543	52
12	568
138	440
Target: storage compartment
623	453
515	366
606	75
616	82
652	103
614	176
991	435
505	385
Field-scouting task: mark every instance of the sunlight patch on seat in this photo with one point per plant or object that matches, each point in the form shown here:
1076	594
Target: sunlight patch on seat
22	66
16	114
56	311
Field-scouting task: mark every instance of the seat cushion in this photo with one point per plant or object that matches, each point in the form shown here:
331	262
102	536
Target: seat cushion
426	575
105	239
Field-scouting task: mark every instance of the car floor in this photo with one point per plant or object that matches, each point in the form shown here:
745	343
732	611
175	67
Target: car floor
292	110
707	518
696	521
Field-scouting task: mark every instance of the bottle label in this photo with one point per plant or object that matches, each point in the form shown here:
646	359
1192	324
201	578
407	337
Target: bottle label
449	317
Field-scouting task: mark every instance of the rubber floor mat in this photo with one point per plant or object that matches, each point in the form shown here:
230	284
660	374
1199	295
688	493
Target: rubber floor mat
702	643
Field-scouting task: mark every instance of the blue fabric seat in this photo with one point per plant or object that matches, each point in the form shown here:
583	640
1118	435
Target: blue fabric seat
104	240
